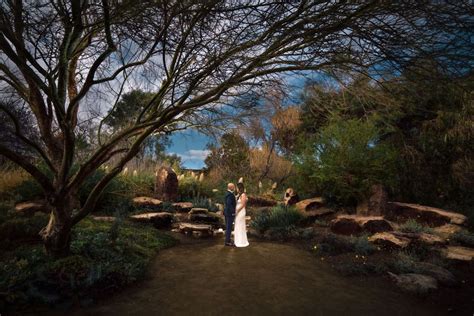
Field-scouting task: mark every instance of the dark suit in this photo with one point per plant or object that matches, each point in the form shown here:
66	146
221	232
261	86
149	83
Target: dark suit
229	213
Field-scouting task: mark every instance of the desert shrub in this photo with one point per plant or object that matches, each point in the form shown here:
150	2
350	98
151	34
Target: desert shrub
412	226
280	219
464	238
168	207
100	262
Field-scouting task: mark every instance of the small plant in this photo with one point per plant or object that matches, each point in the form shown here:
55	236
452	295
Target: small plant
282	220
168	207
206	203
362	246
412	226
464	238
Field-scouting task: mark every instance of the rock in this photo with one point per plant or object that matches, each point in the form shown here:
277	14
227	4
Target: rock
345	226
447	230
183	206
443	276
259	201
353	224
198	210
147	202
159	220
31	207
458	253
415	283
424	238
186	228
310	204
389	240
204	218
430	215
291	197
166	184
104	218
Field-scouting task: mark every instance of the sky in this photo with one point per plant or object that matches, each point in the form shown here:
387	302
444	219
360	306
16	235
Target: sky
190	144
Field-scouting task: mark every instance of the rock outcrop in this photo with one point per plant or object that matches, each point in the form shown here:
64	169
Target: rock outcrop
389	240
314	208
447	230
199	230
147	202
458	253
353	224
30	207
166	184
376	204
159	219
426	214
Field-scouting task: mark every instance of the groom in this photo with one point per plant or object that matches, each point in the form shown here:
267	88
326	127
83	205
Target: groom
229	212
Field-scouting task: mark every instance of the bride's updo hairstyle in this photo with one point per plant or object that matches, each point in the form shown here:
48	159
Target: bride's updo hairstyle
241	188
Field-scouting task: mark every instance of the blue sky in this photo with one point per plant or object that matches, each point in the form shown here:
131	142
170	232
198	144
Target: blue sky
190	145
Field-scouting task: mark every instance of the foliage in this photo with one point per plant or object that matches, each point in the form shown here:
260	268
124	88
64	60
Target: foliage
345	159
9	180
362	246
21	229
206	203
100	263
280	219
333	244
464	237
412	226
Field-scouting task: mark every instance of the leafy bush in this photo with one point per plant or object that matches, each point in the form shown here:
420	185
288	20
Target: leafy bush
412	226
100	262
345	159
362	246
205	203
280	219
464	238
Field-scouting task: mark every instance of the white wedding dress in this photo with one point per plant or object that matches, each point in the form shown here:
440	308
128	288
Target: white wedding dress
240	230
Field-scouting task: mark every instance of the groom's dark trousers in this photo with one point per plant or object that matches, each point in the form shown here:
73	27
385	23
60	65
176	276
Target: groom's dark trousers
229	213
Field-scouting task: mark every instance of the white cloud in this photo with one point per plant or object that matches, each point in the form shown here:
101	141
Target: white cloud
194	154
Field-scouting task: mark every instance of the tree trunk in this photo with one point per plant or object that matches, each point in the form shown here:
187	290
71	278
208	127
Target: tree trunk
57	236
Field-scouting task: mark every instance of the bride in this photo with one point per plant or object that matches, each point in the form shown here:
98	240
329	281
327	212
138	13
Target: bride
240	230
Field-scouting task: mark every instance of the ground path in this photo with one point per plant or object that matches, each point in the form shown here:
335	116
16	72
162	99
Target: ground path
205	278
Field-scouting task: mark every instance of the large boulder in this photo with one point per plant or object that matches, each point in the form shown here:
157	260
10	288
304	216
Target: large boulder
426	214
30	207
202	215
159	220
458	253
353	224
147	202
314	208
291	197
259	201
389	240
200	230
166	184
415	283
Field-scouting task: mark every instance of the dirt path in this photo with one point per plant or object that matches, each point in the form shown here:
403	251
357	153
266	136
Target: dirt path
205	278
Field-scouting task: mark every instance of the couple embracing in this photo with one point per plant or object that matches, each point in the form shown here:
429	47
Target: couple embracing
234	211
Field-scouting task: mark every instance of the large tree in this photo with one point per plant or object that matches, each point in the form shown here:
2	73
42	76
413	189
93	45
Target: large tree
65	57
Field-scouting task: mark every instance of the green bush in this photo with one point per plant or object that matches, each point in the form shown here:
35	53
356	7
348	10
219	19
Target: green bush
280	219
464	238
362	246
100	262
206	203
345	159
412	226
